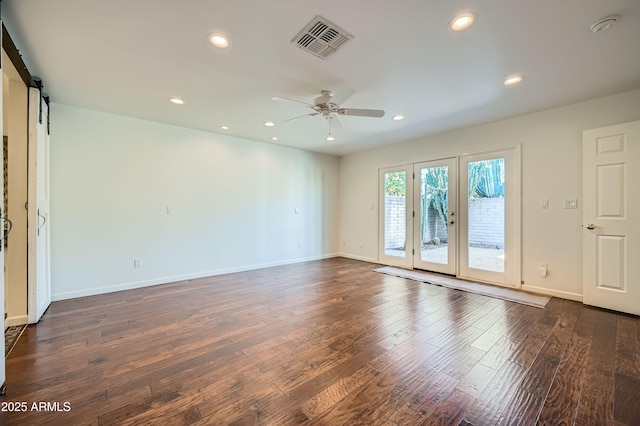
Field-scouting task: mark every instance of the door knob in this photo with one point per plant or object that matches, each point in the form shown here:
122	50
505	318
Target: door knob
591	226
452	222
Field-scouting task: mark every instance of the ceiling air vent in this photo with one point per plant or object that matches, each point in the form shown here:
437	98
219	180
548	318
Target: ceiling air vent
321	37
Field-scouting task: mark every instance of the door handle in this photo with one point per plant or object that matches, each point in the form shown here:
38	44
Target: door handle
591	226
44	220
7	231
452	222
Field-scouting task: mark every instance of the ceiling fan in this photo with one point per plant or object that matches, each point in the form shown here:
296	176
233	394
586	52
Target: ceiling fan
329	107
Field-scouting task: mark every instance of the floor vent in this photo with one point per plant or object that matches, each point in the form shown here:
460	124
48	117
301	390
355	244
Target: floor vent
321	37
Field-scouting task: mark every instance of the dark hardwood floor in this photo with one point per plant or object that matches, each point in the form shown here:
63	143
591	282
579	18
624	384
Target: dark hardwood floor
328	343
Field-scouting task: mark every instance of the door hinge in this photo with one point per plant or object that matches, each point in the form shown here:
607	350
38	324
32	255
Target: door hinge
413	214
413	251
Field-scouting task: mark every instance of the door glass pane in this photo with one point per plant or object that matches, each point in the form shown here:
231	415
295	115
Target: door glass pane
395	211
434	205
486	214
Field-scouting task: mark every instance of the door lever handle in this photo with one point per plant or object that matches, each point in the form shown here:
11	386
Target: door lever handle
44	220
7	230
591	226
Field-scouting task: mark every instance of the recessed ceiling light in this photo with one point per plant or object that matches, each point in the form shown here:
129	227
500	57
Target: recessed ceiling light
177	101
604	24
269	123
224	127
462	22
398	117
275	138
219	40
330	138
513	79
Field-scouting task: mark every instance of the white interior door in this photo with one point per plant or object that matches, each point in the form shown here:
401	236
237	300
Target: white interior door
611	217
396	221
39	281
435	194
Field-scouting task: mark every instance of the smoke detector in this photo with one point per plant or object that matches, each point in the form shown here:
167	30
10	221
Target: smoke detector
604	24
321	37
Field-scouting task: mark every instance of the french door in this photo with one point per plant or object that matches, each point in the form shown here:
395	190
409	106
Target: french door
489	194
396	224
458	216
434	225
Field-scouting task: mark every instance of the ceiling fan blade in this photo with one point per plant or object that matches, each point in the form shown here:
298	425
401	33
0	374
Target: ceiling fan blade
282	98
361	112
340	96
300	116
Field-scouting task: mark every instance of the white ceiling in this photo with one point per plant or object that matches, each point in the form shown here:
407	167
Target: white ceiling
130	56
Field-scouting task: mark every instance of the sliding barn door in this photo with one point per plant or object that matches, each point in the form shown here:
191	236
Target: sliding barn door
2	216
39	282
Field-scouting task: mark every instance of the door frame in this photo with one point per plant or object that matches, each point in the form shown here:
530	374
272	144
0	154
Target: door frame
513	217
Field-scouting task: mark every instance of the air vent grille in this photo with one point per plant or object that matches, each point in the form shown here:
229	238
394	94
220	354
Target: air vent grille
321	37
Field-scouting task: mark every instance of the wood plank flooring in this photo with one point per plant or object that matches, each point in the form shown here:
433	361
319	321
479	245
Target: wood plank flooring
322	343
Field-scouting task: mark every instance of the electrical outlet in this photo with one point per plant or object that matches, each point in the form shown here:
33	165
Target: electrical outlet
137	263
543	269
361	244
169	210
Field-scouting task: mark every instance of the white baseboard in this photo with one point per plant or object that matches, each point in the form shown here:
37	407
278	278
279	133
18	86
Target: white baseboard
17	320
555	293
165	280
356	257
